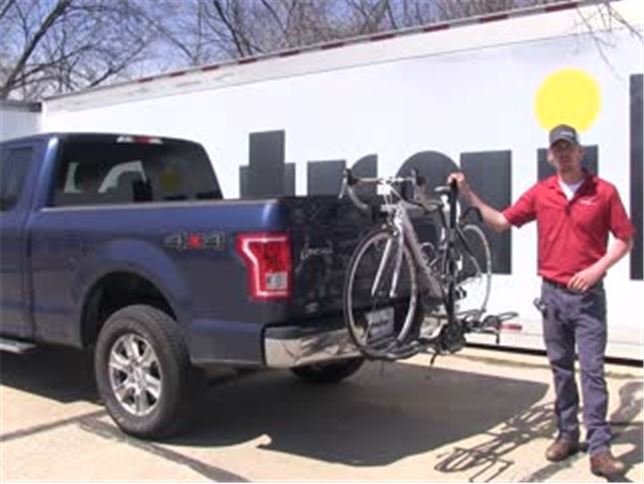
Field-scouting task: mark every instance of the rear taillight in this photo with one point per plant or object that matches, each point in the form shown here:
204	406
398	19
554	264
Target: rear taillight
268	260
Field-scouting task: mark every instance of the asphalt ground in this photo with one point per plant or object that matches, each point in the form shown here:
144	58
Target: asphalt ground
480	415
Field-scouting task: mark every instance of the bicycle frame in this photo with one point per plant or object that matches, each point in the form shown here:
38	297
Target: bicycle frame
406	232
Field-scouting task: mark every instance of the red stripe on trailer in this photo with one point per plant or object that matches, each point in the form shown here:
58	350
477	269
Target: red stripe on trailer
333	45
289	53
146	79
177	74
494	18
436	27
247	60
210	68
382	36
557	8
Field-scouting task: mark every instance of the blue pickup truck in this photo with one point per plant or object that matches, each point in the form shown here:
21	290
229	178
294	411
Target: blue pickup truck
124	245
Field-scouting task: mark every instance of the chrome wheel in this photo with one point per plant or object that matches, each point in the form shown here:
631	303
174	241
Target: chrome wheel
135	374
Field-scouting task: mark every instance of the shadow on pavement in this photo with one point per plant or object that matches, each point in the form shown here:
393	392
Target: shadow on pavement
62	374
372	419
487	460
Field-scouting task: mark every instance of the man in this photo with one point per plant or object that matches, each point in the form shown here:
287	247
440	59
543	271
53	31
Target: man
574	211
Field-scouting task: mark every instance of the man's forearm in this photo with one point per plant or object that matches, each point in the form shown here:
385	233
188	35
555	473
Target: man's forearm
492	217
617	249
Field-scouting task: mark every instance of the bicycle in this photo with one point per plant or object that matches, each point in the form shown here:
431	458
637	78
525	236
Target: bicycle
402	296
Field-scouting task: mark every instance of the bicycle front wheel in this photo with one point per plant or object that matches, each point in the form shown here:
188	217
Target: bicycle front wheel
380	296
473	271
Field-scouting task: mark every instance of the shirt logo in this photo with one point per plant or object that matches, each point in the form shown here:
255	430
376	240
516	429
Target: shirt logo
587	201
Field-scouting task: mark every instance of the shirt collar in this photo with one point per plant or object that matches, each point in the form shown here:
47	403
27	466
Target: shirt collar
589	179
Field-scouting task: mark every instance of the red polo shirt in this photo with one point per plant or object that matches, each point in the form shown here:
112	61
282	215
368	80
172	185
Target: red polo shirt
573	234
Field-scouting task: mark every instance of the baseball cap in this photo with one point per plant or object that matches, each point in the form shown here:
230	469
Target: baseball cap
563	132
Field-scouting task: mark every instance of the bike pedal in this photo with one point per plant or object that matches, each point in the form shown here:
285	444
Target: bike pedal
507	315
490	322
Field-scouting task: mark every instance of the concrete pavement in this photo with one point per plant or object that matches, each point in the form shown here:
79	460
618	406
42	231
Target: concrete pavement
480	415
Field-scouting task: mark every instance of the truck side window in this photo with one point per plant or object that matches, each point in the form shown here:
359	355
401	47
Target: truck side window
14	165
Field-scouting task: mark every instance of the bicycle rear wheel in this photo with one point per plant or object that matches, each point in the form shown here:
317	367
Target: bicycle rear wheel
473	272
381	296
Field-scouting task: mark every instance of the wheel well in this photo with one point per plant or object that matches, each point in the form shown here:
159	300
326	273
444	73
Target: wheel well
113	292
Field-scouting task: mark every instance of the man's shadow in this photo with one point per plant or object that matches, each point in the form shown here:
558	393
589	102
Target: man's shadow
489	460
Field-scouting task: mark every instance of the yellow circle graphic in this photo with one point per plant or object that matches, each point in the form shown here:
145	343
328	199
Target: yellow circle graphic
569	96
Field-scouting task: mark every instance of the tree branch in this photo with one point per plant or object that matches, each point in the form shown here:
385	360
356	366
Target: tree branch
58	10
6	7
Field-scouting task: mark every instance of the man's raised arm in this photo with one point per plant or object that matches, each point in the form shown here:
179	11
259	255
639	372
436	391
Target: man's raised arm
493	218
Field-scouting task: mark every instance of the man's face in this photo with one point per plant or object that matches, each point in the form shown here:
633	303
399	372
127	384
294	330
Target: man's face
565	156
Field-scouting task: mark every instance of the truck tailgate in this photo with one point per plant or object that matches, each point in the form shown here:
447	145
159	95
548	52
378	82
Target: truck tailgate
324	234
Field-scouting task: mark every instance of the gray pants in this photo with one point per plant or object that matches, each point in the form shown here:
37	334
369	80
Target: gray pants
568	318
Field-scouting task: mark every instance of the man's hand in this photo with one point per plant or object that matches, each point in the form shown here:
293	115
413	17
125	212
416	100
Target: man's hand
461	181
584	280
492	217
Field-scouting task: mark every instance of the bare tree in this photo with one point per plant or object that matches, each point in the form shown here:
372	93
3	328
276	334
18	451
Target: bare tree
57	46
210	30
65	45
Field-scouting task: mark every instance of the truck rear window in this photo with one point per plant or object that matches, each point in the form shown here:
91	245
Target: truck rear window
111	171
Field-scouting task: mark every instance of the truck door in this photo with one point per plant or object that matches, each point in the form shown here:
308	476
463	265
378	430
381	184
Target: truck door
15	163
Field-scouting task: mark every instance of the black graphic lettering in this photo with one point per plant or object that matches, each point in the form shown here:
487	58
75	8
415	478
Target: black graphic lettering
432	165
289	179
637	175
545	169
324	177
490	173
265	176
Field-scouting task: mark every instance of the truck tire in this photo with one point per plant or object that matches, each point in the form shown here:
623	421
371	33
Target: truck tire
328	372
143	371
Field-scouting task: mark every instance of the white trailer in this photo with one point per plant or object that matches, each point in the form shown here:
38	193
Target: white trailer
19	119
479	93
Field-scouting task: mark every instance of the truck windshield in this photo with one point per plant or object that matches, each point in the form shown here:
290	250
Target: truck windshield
116	170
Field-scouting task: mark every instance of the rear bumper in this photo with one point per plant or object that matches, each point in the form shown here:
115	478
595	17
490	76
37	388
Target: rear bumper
291	346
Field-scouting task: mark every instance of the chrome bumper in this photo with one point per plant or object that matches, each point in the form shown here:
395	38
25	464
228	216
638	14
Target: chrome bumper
290	347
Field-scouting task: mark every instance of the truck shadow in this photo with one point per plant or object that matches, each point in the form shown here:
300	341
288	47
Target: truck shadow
375	418
62	374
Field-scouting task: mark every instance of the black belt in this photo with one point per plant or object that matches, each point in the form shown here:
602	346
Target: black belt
556	284
564	287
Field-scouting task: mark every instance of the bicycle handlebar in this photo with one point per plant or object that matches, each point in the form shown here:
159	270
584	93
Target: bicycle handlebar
349	180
